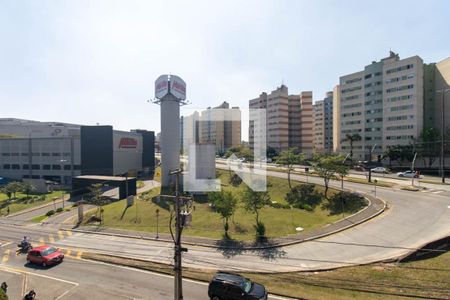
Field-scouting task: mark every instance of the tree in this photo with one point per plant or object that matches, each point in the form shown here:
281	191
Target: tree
326	167
289	158
253	202
428	145
304	196
95	196
341	169
344	201
225	204
399	153
271	152
13	187
240	151
351	138
27	188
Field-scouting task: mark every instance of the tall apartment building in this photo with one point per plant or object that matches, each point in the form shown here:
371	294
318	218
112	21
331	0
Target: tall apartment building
220	126
289	119
383	104
323	124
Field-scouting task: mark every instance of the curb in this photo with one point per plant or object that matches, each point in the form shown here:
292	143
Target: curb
32	209
278	245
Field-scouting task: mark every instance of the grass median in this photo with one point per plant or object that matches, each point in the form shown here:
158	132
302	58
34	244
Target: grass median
21	201
207	223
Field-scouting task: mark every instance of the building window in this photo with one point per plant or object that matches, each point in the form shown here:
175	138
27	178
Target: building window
25	167
6	154
67	167
56	167
45	154
56	154
35	167
15	167
6	167
46	167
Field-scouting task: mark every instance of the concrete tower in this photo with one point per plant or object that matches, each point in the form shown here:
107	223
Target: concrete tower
170	92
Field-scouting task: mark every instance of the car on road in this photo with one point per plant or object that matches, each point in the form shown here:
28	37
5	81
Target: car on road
230	286
379	170
45	256
409	174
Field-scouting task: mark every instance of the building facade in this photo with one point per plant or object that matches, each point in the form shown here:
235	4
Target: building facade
289	121
383	104
323	124
59	151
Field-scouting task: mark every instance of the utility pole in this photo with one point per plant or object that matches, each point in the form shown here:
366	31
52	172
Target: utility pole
178	227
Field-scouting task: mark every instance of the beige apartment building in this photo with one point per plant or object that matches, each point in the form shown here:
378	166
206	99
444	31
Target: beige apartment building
383	104
289	121
323	124
220	126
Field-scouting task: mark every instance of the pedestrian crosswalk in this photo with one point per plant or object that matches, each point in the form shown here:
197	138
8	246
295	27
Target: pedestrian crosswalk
6	252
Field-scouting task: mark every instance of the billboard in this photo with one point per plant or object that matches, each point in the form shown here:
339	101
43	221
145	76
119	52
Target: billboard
177	87
128	143
161	86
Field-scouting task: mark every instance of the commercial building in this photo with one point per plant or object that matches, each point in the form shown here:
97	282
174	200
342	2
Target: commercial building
60	151
289	119
323	124
383	104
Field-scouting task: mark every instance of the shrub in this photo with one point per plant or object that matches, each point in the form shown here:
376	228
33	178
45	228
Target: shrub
235	180
304	197
344	201
260	229
60	209
280	205
3	295
50	213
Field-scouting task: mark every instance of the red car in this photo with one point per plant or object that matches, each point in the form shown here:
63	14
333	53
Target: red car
45	256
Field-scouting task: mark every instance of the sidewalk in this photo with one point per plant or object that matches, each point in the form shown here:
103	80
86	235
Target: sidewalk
375	208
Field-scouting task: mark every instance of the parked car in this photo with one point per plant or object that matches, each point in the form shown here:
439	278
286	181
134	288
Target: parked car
230	286
379	170
45	256
409	174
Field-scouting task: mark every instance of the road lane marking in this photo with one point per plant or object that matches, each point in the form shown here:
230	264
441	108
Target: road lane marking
69	232
6	244
60	235
66	292
68	251
41	241
41	275
24	284
6	256
79	254
51	239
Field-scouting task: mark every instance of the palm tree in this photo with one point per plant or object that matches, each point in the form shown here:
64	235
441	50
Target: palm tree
351	138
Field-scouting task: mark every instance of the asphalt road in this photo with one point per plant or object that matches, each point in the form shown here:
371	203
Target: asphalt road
411	220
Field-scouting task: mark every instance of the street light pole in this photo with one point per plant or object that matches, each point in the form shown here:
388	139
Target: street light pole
443	91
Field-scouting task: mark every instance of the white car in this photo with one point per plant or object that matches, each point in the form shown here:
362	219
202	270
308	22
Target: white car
379	170
408	174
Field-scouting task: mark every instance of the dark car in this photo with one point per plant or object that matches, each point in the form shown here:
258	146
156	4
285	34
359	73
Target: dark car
45	256
229	286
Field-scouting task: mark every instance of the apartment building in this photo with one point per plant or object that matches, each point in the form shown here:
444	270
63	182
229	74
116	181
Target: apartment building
323	124
289	121
383	104
220	126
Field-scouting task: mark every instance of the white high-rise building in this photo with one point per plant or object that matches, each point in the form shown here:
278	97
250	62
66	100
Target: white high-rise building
383	104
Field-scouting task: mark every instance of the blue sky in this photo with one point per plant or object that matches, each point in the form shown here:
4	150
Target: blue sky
91	62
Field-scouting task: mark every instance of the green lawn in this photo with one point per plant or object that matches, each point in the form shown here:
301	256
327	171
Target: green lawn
21	202
207	223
